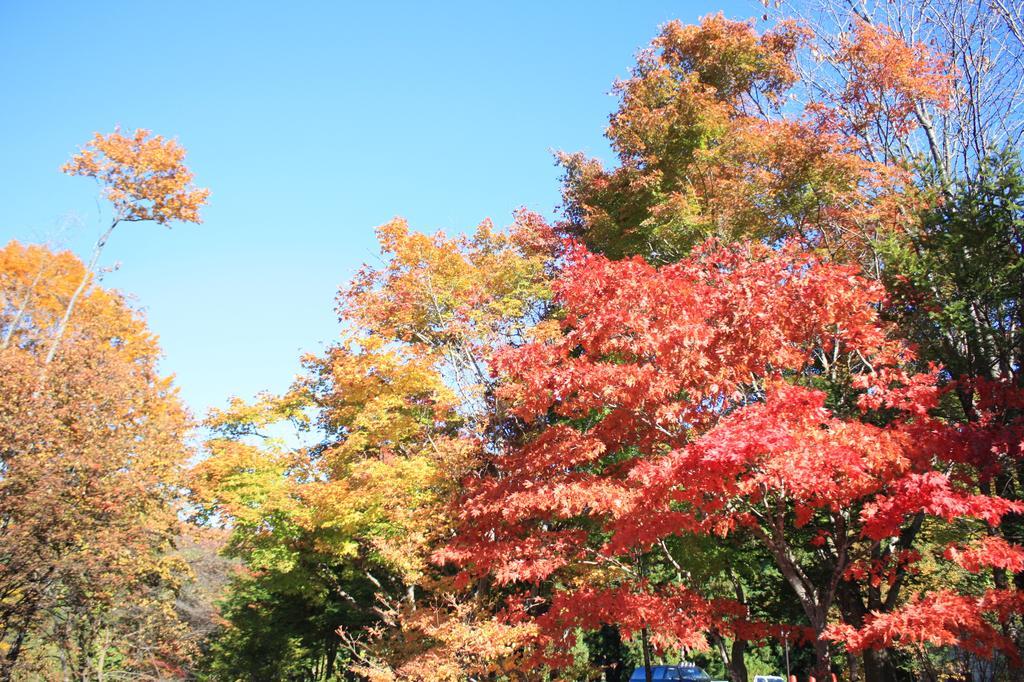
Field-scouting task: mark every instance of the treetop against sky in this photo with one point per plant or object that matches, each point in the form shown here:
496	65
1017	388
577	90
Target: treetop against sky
312	125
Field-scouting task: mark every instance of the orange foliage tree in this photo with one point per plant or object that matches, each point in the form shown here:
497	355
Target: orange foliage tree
91	460
711	144
144	177
92	441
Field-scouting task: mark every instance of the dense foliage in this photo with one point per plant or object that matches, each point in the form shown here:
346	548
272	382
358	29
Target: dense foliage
93	446
755	400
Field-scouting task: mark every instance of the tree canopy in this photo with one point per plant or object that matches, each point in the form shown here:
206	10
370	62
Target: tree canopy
753	399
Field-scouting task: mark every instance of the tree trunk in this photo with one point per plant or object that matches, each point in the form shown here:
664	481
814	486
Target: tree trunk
62	327
9	334
101	656
332	653
822	669
10	659
648	674
856	672
737	664
873	667
723	652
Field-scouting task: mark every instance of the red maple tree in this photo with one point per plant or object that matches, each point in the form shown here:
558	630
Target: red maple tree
741	390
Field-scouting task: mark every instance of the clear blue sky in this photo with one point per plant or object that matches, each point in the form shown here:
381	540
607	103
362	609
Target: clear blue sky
312	123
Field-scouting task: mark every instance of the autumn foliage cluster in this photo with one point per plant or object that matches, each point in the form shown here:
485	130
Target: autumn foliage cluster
93	445
754	399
